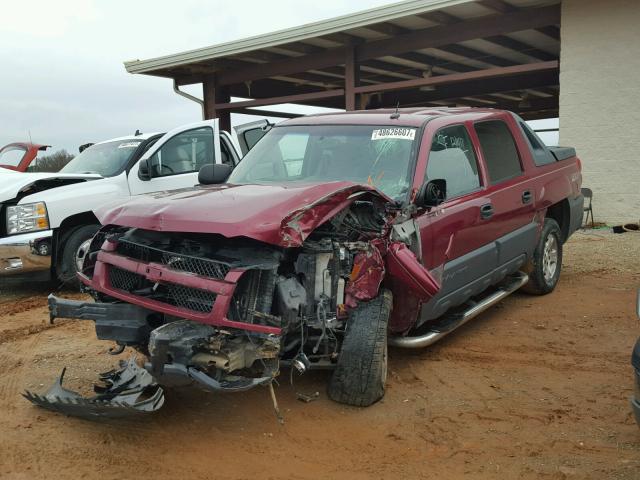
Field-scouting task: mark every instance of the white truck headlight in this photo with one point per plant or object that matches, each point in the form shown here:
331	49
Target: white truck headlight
29	217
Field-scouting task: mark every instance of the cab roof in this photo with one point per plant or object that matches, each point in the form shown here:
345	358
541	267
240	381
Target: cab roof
410	117
140	137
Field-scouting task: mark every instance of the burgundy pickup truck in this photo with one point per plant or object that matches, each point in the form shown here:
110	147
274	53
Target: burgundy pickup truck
335	236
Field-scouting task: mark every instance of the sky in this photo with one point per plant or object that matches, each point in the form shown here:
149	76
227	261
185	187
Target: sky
62	78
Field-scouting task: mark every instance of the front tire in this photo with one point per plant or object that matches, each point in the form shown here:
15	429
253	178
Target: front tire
360	375
74	246
544	269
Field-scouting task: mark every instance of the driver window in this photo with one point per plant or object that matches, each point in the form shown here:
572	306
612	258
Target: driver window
187	152
452	159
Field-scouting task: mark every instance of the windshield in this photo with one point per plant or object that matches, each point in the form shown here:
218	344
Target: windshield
106	159
375	155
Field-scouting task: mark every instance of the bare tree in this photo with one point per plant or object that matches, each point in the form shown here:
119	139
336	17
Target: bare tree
51	163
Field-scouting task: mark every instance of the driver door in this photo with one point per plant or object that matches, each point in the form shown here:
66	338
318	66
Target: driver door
174	161
250	133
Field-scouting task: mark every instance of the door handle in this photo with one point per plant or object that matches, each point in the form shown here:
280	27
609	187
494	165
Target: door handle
527	197
486	211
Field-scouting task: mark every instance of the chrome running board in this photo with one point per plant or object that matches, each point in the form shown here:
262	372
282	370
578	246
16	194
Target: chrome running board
451	322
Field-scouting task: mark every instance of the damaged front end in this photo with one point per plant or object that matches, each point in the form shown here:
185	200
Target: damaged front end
224	314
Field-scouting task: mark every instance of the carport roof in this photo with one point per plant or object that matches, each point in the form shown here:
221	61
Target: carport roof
490	53
343	23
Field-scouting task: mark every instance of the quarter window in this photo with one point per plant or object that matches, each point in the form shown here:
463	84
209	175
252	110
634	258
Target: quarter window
452	159
187	152
541	155
499	150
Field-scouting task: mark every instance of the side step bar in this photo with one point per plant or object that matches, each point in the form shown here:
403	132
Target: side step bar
451	322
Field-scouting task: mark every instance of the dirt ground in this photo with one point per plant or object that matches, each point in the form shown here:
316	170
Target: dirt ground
537	387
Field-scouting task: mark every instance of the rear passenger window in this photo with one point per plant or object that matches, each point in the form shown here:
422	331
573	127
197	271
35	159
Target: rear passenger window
499	151
452	159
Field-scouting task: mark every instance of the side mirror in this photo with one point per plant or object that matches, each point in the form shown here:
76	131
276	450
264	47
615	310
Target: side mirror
214	173
144	172
432	193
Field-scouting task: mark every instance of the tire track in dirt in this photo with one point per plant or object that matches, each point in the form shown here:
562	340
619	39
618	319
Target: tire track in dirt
15	334
13	380
550	361
23	305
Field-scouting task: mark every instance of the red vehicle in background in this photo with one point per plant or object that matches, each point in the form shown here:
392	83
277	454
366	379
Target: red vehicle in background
19	155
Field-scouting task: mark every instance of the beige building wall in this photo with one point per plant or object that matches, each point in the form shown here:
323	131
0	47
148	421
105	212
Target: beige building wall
600	101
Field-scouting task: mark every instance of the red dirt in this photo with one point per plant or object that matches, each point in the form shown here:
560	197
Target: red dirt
537	387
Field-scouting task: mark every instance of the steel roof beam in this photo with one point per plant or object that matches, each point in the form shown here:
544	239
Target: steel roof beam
438	36
461	77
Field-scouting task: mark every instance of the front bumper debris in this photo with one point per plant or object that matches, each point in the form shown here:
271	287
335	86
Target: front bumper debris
179	375
123	323
25	253
129	390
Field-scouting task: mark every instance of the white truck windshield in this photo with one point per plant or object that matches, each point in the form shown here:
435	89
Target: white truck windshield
106	159
375	155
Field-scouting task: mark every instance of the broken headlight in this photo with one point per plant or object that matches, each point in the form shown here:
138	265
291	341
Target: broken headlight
29	217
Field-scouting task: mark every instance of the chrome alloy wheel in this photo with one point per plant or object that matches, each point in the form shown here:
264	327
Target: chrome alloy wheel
550	258
81	253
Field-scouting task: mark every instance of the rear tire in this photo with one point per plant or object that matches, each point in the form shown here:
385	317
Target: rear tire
360	375
73	247
546	264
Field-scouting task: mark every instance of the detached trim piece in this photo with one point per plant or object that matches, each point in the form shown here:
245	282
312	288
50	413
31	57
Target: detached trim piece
129	390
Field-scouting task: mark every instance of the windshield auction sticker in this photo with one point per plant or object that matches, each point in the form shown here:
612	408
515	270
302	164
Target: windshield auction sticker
398	133
129	145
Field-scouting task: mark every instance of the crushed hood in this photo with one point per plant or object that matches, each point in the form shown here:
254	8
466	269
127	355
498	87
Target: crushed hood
275	214
17	184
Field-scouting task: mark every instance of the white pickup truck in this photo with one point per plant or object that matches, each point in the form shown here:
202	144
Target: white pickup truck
47	220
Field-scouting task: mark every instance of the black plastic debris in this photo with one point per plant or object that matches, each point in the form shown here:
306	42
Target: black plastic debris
129	390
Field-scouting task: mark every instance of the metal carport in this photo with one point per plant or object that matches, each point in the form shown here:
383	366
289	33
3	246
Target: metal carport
489	53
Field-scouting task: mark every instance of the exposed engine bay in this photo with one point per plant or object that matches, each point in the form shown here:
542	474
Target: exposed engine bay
225	314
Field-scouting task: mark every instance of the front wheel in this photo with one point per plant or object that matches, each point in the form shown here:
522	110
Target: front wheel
361	372
544	269
75	245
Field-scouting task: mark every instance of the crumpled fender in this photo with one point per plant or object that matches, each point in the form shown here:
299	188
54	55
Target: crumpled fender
395	260
366	275
405	268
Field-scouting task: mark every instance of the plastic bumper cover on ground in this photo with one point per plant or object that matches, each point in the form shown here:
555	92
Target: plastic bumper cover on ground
26	253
